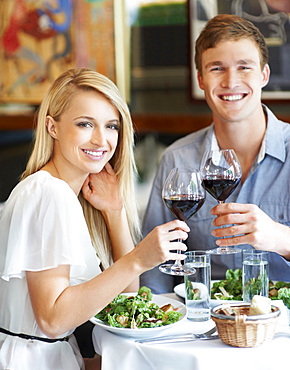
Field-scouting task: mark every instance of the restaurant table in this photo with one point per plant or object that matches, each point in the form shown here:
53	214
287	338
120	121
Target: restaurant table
122	353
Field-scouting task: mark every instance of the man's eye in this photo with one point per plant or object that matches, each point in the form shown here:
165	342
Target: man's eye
217	69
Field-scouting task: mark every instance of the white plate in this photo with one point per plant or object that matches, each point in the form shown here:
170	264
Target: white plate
180	290
145	332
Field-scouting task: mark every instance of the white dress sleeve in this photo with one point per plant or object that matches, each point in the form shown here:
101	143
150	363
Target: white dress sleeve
42	226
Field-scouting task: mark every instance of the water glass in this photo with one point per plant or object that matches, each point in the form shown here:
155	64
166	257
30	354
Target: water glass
255	274
197	286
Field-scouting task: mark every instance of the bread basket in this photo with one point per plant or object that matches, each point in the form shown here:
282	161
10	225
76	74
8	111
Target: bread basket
241	330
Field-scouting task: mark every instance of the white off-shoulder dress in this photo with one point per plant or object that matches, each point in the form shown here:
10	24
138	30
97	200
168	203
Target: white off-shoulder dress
42	226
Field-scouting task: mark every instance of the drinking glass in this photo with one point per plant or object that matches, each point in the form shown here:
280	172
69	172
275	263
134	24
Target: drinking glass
197	286
221	173
255	274
183	194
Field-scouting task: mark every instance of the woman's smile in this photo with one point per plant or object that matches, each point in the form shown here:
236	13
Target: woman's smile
94	154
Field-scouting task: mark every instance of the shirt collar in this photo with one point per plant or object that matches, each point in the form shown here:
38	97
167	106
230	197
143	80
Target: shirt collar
273	142
274	138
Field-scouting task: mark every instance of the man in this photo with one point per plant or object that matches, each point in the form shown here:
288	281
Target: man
232	68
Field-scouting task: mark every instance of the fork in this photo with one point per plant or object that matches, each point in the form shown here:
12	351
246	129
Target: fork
209	332
181	337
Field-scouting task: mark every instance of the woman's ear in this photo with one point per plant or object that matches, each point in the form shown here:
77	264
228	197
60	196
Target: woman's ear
51	128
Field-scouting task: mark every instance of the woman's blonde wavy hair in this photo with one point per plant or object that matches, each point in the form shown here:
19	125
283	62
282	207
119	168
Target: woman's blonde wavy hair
55	103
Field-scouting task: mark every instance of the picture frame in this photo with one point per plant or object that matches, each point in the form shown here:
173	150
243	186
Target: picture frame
40	39
273	20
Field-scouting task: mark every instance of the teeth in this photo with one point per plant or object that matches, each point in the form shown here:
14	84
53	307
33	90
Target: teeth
232	97
95	154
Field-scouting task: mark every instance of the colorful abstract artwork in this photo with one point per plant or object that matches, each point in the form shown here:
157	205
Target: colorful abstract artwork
40	39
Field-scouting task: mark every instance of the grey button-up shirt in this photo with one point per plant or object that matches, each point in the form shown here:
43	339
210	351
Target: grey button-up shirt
267	185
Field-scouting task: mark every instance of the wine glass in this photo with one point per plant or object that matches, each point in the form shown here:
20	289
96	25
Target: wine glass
221	173
183	194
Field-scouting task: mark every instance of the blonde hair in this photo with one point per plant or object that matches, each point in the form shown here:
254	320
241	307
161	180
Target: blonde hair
55	104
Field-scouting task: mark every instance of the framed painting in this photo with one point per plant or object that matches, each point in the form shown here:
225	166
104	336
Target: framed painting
272	17
40	39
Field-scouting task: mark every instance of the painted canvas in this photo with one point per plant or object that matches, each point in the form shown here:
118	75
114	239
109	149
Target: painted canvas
40	39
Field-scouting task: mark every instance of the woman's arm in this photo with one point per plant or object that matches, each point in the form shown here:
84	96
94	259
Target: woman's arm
59	307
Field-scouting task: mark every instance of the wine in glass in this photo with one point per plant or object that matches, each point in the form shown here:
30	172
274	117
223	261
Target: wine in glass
183	194
221	173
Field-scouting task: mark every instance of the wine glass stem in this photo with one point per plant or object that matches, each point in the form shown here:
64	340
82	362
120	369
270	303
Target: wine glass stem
177	264
222	249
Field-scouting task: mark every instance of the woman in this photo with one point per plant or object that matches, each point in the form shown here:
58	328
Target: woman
76	193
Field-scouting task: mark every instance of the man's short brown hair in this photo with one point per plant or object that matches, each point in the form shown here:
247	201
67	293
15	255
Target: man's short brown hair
228	27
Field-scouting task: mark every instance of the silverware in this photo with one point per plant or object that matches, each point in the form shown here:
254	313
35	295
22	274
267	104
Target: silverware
281	334
175	338
209	332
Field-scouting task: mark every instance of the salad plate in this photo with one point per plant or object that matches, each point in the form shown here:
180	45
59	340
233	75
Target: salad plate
180	291
145	332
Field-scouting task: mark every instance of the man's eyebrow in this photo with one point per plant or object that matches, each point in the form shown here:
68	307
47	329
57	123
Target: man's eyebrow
213	64
218	63
247	62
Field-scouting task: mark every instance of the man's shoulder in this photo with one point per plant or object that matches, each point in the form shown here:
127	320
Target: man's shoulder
192	140
273	119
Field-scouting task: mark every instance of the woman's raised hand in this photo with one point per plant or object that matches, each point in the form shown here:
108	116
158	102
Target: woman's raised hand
102	190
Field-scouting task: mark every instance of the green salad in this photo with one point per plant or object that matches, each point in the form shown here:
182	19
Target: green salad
232	288
229	289
137	312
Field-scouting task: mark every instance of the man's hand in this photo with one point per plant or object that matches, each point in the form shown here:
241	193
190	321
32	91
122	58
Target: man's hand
248	224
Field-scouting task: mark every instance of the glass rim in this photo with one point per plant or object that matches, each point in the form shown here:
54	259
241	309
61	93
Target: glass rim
254	251
200	252
185	169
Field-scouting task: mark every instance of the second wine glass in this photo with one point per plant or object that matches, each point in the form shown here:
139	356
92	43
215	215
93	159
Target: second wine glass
221	173
183	194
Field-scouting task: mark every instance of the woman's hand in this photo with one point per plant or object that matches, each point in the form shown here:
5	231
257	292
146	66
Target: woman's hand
102	190
158	245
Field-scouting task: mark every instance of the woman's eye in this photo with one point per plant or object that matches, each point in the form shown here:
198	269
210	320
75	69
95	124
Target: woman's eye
114	127
85	124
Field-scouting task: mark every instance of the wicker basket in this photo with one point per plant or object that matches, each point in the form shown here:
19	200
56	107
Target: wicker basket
242	330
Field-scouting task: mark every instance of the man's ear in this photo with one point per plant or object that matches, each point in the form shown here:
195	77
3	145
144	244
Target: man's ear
265	75
51	128
200	80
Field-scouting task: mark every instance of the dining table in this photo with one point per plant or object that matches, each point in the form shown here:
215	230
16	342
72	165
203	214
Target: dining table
124	353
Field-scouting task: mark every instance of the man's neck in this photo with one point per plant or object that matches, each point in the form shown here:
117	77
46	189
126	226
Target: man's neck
244	137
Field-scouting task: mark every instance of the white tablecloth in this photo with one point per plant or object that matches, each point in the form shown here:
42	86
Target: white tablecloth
120	353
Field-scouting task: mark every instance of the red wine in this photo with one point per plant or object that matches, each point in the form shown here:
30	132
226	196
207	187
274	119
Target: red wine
220	188
184	206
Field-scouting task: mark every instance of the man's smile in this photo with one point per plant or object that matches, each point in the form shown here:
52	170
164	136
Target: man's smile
232	97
